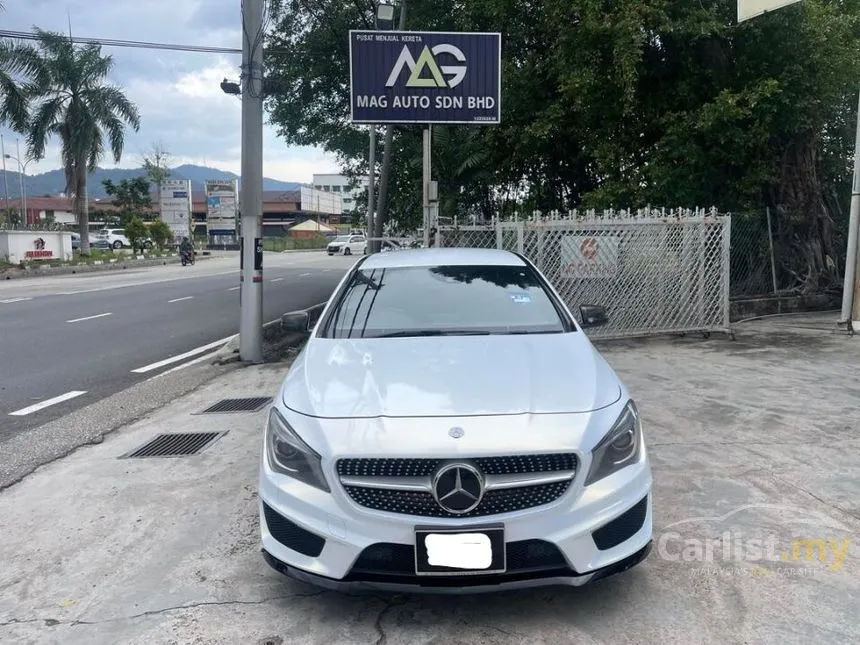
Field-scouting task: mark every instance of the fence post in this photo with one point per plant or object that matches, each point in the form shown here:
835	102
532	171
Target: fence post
770	243
520	241
499	244
727	270
703	257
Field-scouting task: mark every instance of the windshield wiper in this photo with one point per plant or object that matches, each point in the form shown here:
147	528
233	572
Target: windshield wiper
433	332
370	282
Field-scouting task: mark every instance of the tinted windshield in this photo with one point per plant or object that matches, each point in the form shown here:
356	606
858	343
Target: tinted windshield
444	300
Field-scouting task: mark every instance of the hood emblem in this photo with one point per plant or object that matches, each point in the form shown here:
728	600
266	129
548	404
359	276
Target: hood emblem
456	433
458	488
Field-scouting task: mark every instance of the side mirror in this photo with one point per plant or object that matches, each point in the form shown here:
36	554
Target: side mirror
297	322
593	316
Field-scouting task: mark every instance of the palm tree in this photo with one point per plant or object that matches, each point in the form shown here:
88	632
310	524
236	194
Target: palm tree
16	61
74	102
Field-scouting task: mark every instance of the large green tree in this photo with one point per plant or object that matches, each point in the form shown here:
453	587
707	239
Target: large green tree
75	103
615	104
131	197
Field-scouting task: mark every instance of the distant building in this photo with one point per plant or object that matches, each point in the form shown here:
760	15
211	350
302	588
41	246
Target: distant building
341	184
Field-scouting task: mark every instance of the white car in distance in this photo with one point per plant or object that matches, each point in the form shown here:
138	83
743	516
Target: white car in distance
347	245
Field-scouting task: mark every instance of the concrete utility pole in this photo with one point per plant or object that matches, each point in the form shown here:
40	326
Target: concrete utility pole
251	318
371	182
851	288
5	176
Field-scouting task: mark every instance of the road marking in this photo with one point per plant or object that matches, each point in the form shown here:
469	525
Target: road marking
44	404
302	275
180	357
11	300
89	318
180	299
275	279
234	288
199	359
326	270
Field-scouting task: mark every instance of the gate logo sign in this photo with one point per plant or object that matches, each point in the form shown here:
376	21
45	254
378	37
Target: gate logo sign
425	77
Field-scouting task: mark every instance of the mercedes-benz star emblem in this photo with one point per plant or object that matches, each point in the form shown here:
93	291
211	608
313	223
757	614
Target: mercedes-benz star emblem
458	488
456	433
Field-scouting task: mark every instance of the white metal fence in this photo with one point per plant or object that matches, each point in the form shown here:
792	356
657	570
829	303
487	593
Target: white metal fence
655	272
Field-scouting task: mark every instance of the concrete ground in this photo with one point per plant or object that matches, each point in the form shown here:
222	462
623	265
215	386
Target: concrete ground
750	440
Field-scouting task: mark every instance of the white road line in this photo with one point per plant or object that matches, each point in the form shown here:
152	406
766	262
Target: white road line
326	270
11	300
180	357
275	279
234	288
180	299
44	404
74	320
199	359
302	275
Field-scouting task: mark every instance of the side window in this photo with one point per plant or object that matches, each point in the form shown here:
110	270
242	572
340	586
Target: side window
355	238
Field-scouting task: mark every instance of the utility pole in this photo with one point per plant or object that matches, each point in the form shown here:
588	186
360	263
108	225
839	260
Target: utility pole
851	288
371	185
21	170
5	176
251	317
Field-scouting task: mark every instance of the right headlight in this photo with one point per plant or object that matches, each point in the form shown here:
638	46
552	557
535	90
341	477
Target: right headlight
289	455
621	446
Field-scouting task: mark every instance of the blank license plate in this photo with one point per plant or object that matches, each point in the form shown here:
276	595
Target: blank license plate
460	551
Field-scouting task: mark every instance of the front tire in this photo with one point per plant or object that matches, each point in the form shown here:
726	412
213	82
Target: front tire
117	245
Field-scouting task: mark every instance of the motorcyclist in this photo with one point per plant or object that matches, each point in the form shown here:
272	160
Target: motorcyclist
186	249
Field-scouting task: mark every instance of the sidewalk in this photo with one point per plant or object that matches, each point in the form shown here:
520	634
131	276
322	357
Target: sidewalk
98	549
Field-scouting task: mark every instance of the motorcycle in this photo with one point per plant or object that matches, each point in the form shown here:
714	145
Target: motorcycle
187	257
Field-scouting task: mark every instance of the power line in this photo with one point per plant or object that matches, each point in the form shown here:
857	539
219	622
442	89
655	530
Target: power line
110	42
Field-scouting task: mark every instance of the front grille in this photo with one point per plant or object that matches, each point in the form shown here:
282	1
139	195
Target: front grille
425	467
399	559
421	503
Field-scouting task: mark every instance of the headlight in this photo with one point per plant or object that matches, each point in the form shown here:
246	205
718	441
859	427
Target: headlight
291	456
620	447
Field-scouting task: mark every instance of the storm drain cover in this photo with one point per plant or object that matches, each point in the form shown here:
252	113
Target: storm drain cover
176	445
239	405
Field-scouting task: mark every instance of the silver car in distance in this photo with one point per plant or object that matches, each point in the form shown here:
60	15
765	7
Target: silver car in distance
449	428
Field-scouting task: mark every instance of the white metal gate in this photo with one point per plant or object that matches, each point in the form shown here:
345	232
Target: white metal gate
654	274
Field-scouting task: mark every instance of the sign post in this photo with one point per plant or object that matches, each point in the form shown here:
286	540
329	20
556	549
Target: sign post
425	78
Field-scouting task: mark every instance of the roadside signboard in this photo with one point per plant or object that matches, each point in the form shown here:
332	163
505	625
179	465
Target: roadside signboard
175	206
425	77
751	8
589	256
221	206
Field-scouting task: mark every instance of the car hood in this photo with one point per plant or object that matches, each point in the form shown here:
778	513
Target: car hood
450	376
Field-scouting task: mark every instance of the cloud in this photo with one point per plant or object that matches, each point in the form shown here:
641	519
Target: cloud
178	93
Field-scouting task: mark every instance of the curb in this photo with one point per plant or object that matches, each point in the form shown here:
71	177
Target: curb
112	264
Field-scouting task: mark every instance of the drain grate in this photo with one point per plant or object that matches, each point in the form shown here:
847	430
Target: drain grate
176	445
239	405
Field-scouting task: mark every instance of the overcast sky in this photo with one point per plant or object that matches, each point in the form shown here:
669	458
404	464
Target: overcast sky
181	103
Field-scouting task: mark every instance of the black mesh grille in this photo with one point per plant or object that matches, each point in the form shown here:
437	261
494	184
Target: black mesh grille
291	535
399	559
425	467
622	528
423	504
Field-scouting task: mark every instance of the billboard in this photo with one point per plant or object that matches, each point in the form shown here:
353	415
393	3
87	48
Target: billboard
751	8
175	206
425	77
221	206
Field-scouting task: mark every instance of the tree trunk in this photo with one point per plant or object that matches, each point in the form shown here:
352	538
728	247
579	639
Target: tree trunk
81	209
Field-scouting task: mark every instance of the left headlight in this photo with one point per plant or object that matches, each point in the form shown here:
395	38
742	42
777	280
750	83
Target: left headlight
621	446
291	456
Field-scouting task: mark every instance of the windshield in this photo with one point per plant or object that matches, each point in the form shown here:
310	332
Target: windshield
444	300
341	238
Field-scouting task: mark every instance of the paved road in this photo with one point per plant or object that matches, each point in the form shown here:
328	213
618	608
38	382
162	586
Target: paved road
69	341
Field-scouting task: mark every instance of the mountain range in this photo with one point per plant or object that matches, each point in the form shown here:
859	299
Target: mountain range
54	182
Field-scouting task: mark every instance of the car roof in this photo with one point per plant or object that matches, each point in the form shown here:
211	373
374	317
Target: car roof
442	257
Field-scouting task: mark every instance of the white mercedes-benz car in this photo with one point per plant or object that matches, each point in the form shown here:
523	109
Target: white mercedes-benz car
448	427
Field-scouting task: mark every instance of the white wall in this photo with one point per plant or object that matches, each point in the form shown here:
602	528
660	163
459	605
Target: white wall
327	182
20	246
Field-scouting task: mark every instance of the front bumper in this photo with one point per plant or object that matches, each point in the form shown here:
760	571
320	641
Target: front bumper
328	540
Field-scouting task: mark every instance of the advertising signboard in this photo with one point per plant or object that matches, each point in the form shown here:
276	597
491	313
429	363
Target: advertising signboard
175	206
425	77
585	256
221	206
